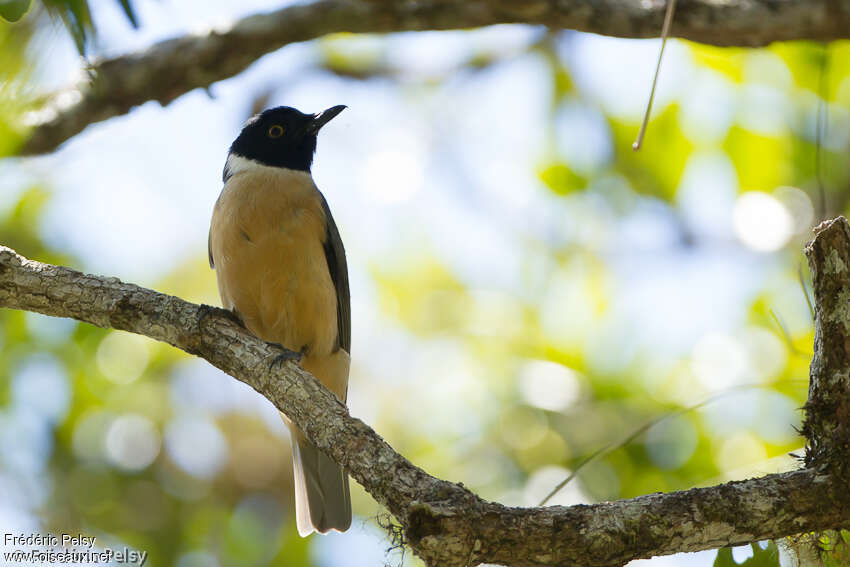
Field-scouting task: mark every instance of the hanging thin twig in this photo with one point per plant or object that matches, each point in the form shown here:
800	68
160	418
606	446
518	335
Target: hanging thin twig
665	32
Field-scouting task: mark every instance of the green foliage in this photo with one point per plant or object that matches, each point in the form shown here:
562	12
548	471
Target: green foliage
806	61
15	72
728	61
767	557
351	55
426	296
127	8
75	15
657	168
750	151
835	548
561	179
14	10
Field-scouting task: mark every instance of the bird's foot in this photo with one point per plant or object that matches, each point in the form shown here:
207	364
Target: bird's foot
285	354
207	311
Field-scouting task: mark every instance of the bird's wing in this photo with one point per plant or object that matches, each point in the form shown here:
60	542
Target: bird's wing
335	256
209	249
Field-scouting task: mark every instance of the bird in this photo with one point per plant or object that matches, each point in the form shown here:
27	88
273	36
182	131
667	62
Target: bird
281	269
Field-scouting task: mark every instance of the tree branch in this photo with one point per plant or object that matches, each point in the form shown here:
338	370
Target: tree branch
174	67
827	423
445	523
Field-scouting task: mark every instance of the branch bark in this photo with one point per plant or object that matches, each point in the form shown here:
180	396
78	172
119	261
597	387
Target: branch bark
174	67
446	524
827	423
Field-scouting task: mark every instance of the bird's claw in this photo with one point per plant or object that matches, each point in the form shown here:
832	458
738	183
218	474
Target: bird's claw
285	354
207	311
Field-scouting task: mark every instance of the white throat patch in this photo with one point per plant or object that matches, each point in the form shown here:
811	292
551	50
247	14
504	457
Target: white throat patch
236	164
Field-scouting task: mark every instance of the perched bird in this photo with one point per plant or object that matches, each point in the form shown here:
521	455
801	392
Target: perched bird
281	269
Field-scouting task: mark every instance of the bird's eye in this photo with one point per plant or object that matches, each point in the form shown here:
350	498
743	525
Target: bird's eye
275	131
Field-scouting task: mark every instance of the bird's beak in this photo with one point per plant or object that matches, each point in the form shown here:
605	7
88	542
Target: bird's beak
323	117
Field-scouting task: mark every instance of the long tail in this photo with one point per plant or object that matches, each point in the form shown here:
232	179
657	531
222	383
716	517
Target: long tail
322	500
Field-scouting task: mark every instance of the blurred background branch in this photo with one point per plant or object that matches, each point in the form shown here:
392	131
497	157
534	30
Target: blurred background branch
171	68
445	523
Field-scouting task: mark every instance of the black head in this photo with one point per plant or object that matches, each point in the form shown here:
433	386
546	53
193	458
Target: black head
282	137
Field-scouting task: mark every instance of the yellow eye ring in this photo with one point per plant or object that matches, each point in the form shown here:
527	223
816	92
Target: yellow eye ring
275	131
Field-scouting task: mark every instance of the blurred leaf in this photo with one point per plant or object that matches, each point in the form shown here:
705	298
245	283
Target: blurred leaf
426	297
768	557
762	162
19	227
14	10
355	56
15	92
76	15
835	548
839	70
10	138
657	168
561	179
726	60
563	83
128	11
834	171
804	59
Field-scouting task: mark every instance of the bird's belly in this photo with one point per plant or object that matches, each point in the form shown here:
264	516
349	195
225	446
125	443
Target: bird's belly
279	283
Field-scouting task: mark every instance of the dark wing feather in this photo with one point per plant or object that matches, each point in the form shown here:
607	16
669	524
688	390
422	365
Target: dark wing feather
209	249
335	256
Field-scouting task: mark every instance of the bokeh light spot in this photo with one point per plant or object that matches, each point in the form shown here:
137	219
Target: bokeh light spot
767	355
522	427
799	206
393	175
52	330
26	442
256	460
740	451
741	553
250	537
123	357
196	445
719	361
198	558
544	480
41	386
549	385
670	443
761	221
132	442
88	439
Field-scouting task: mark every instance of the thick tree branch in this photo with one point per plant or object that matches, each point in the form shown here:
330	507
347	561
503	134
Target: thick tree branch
174	67
446	524
827	424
